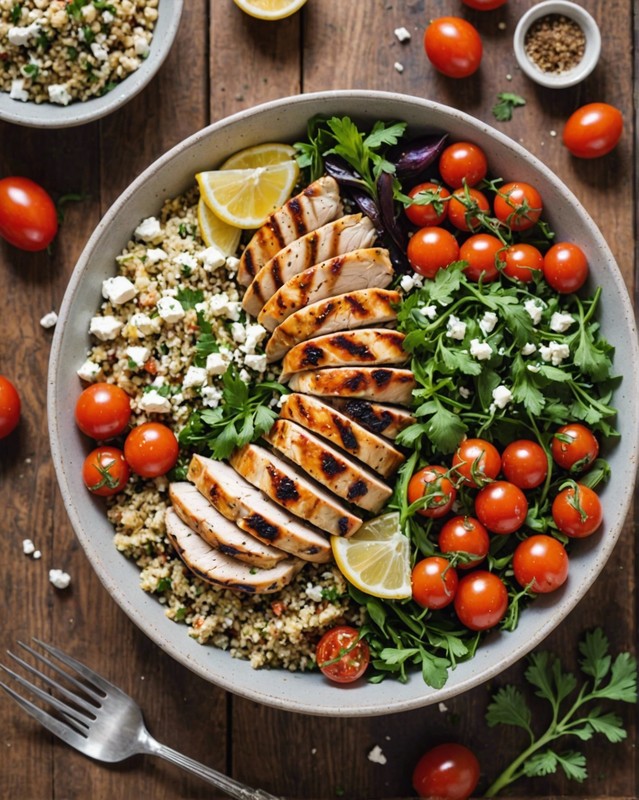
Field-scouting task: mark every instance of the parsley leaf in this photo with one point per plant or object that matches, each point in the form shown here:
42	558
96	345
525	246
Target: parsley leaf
506	102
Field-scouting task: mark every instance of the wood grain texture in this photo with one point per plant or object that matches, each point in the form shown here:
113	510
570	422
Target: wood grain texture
222	62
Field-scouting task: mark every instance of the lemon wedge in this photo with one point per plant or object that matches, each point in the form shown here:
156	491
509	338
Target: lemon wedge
270	9
376	558
244	198
215	232
262	155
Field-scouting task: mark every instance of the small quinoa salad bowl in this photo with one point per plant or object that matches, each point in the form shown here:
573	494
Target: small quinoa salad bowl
277	413
65	63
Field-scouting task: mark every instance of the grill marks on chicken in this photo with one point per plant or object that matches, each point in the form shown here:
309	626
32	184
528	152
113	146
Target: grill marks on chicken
376	417
382	384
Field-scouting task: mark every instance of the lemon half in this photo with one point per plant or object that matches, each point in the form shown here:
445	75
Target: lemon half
270	9
215	232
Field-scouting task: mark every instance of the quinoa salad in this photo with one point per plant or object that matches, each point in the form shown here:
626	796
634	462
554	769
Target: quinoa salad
62	51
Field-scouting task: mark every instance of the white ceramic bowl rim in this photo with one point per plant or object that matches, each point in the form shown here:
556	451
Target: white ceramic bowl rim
302	692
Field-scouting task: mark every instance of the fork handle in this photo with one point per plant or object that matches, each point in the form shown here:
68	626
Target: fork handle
231	787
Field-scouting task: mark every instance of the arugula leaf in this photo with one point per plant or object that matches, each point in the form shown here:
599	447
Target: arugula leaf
506	102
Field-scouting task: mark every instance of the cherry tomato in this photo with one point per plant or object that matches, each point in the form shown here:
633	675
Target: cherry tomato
432	212
593	130
462	163
577	512
481	252
453	46
28	217
574	447
518	205
481	600
525	463
465	535
541	561
434	483
341	655
434	582
477	461
447	772
520	261
103	410
501	507
10	406
484	5
463	208
151	449
565	267
105	471
431	249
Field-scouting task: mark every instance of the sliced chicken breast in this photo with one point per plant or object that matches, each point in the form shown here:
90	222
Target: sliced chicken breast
285	485
318	204
318	417
375	417
366	307
340	236
359	269
219	532
332	468
215	567
363	347
381	384
241	502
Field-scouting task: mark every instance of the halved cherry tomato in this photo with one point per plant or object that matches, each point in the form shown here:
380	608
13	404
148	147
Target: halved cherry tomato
464	207
481	252
462	163
431	212
540	562
574	447
477	461
525	463
565	267
453	46
518	205
103	410
105	471
593	130
434	582
577	511
151	449
434	483
501	507
464	535
481	600
447	772
521	261
431	249
10	406
28	217
342	655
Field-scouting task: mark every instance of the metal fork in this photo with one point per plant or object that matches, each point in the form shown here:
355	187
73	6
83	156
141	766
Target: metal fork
103	722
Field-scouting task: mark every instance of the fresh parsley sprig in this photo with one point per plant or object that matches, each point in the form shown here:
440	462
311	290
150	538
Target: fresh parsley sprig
506	102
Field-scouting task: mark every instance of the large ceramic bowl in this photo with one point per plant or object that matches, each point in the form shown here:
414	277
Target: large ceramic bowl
49	115
285	120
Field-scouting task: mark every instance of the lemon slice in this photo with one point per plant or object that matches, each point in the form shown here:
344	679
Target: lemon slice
245	197
262	155
215	232
376	558
270	9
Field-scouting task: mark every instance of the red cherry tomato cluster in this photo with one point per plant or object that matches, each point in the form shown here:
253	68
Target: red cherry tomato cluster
103	412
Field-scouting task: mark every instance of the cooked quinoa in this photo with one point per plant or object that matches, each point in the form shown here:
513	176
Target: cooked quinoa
60	51
145	333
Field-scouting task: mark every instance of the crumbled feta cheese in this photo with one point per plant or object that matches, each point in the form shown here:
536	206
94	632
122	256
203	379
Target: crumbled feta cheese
148	230
195	376
560	322
59	578
186	260
170	309
502	396
143	324
376	755
314	593
487	322
528	349
107	17
455	328
220	305
89	371
232	263
211	396
118	290
238	332
99	51
554	352
254	335
255	362
155	254
105	328
28	547
464	392
533	368
153	402
245	376
59	94
443	708
19	36
402	34
141	46
407	282
18	92
212	258
37	554
399	67
534	310
428	311
138	355
480	350
49	320
217	363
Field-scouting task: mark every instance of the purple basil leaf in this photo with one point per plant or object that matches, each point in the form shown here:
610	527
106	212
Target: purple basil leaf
368	206
343	173
413	158
387	211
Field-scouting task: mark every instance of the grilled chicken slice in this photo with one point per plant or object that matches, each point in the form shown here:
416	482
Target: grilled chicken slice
319	418
284	484
318	204
359	269
375	417
219	532
340	236
366	307
359	348
237	500
332	468
382	384
215	567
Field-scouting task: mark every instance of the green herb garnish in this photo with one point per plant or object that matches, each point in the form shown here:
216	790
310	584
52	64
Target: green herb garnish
506	102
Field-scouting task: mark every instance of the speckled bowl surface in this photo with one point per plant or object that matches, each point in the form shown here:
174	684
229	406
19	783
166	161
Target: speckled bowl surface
49	115
285	120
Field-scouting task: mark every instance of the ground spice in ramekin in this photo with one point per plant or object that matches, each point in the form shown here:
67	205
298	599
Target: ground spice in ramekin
555	43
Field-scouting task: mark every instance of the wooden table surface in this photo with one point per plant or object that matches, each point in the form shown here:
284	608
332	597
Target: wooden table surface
222	62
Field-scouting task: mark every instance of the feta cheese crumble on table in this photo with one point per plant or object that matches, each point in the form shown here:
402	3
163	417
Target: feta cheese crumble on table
377	756
49	320
59	578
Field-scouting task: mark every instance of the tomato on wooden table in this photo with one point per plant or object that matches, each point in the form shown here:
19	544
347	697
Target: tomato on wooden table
540	562
477	461
481	600
453	46
465	207
525	463
433	483
462	163
431	249
10	406
464	535
593	130
574	447
448	771
565	267
518	205
481	252
434	582
151	449
105	471
103	410
28	216
342	655
577	511
521	261
501	507
431	212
